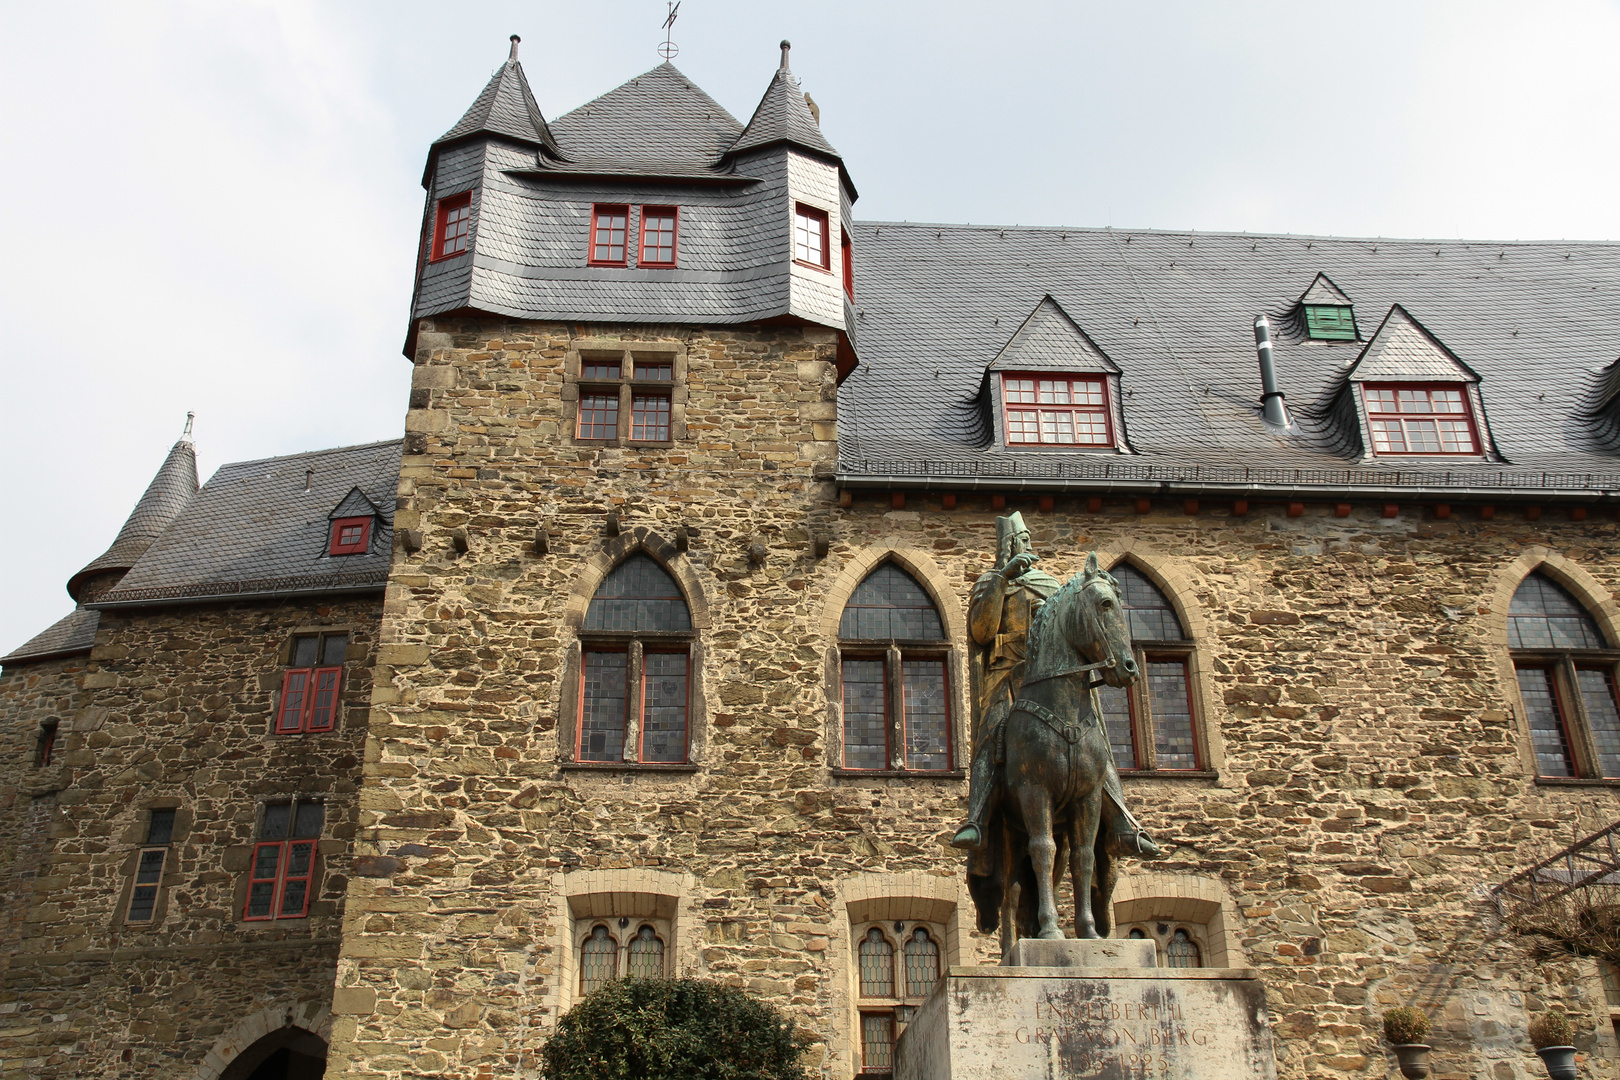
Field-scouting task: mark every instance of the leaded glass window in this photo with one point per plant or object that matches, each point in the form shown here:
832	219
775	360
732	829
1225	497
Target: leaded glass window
637	596
598	960
1182	951
893	981
1152	725
646	960
1566	676
922	963
894	696
877	965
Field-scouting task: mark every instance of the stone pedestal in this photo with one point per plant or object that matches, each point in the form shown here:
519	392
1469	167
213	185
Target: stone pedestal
1064	1010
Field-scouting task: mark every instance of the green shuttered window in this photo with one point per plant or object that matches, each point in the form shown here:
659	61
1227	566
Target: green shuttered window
1330	323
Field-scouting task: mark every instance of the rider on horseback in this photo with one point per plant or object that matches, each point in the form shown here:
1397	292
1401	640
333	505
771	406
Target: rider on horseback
1004	602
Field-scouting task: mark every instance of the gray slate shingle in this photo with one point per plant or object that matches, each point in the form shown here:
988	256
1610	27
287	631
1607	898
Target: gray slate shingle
166	496
73	633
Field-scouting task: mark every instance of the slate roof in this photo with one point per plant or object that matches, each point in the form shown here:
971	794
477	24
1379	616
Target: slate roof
75	632
783	116
1323	292
1050	339
505	107
254	530
1538	322
166	496
657	124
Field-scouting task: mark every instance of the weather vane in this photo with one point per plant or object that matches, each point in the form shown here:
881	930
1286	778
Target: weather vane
669	50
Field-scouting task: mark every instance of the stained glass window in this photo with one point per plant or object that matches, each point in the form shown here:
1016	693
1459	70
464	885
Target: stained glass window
1182	951
1161	699
877	965
890	605
646	959
926	716
1546	716
598	960
866	721
922	963
605	698
1149	611
1544	616
637	596
877	1042
664	699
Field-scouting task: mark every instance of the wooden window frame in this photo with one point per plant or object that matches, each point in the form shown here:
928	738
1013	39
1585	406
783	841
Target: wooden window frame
1467	415
598	210
674	213
587	393
151	890
1140	699
899	1006
1314	333
805	210
310	696
637	645
846	249
280	878
1564	665
1010	407
441	219
637	397
894	654
358	547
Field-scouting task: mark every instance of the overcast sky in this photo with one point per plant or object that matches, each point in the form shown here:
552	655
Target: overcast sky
214	205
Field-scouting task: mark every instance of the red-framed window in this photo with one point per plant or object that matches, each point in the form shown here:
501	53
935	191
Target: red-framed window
1056	410
350	536
598	414
810	237
310	686
658	228
1426	418
282	876
452	226
45	743
657	683
847	249
610	232
649	417
149	867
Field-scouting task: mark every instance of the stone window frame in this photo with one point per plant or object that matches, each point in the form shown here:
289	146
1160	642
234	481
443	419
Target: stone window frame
1198	904
584	898
901	1005
626	386
1599	603
936	902
284	664
642	540
622	929
46	739
134	838
1181	591
952	617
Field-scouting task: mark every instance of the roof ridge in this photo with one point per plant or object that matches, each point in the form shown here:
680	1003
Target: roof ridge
307	453
1230	233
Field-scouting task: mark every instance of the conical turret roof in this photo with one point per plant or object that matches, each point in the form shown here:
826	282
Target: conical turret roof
170	490
506	107
784	116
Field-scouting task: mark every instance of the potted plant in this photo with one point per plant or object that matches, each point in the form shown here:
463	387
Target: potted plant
1553	1036
1406	1029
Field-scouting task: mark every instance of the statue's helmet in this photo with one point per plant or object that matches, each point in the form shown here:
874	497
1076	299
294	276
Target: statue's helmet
1007	528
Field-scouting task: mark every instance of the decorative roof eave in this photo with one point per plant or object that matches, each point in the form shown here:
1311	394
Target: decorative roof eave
232	591
650	174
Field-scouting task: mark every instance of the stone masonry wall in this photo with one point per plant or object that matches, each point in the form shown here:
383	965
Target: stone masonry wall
172	709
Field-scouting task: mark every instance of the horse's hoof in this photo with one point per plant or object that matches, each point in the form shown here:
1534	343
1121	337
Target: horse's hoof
1051	935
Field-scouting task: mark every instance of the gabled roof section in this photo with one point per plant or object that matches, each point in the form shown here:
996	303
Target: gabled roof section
657	123
73	633
1049	340
1323	293
783	116
354	504
170	491
505	107
1403	351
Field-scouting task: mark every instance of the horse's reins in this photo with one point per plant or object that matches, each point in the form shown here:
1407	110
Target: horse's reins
1090	684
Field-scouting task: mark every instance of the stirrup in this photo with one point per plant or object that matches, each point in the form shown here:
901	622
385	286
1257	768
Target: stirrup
963	841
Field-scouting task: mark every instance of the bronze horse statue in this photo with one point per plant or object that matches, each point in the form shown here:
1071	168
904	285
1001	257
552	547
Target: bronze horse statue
1061	789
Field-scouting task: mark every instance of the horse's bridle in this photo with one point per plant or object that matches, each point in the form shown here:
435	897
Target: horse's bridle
1075	670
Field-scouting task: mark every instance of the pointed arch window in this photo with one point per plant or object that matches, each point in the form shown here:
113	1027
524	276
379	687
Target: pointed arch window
894	663
894	981
635	676
1566	674
598	960
1153	725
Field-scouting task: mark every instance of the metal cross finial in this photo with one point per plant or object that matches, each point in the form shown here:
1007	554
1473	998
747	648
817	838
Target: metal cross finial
669	50
186	435
515	40
786	45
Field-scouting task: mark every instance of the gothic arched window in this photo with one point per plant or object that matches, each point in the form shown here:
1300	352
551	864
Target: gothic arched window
598	960
889	997
635	671
1566	673
1181	951
646	960
922	963
894	661
1152	725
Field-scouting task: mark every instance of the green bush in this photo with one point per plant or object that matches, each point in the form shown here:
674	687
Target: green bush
1552	1028
1403	1026
672	1029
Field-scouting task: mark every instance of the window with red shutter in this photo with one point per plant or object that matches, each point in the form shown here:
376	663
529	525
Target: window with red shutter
281	878
848	251
610	230
452	226
310	687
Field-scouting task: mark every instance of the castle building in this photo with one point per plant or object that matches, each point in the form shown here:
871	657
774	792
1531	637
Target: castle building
645	650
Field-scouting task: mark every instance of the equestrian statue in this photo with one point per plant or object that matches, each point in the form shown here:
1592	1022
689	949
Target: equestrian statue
1043	783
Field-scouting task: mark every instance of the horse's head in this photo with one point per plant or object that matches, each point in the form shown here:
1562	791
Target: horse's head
1104	635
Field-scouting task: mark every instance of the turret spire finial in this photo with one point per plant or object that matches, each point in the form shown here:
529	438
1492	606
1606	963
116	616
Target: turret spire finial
513	55
186	435
786	45
669	50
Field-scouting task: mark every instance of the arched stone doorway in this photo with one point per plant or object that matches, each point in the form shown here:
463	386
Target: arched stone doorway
289	1053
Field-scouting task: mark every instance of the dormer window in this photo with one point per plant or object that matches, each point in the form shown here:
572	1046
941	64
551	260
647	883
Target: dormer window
1330	323
1056	410
1419	419
452	225
350	536
810	247
658	235
610	228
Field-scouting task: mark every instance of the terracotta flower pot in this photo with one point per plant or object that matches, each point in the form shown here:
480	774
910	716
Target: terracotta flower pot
1560	1062
1414	1060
